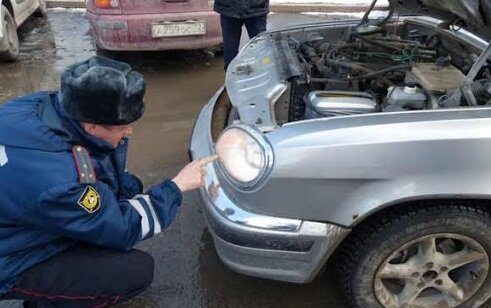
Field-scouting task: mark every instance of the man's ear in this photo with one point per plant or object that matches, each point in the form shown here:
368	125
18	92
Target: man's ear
88	127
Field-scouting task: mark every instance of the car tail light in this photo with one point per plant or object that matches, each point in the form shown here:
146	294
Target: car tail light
106	4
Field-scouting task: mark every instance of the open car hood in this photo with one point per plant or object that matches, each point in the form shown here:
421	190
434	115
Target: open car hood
473	15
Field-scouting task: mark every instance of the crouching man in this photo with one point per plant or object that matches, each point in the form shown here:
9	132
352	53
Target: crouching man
70	214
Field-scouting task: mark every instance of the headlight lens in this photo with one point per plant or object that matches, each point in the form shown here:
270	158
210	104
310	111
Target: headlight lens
241	155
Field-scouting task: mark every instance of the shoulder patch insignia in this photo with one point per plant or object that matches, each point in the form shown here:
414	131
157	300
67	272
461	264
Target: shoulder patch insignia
90	200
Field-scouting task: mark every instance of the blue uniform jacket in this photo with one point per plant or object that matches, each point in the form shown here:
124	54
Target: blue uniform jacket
45	207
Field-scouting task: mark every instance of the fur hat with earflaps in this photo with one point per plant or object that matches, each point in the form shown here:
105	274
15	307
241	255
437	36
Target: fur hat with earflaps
102	91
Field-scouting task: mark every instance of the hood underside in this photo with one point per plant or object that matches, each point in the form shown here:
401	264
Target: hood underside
473	15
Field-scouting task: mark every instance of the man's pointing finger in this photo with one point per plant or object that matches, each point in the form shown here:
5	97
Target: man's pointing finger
207	160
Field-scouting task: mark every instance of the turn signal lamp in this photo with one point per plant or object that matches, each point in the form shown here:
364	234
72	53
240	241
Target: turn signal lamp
106	4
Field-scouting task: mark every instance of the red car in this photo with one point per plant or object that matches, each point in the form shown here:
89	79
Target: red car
153	24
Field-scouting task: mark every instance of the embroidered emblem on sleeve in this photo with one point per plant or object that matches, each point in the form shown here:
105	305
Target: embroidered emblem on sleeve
85	169
90	200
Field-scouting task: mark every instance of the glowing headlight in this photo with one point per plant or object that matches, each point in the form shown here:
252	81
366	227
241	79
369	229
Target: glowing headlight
243	157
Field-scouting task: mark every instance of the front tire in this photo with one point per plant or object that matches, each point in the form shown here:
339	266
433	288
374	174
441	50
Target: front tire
10	33
425	256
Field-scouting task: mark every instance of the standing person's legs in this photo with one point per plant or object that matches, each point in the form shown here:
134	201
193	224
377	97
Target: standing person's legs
85	276
231	31
256	25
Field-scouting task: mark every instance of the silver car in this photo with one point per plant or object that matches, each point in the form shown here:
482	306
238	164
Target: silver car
368	141
12	14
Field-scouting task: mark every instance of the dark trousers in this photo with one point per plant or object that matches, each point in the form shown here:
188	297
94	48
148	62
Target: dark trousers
84	276
232	30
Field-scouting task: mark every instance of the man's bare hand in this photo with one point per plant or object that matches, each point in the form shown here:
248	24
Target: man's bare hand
192	175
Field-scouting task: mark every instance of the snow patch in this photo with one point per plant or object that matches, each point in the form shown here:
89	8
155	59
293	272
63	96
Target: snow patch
332	2
373	14
62	9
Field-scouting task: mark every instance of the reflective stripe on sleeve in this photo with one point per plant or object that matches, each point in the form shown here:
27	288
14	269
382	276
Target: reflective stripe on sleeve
145	224
156	223
3	156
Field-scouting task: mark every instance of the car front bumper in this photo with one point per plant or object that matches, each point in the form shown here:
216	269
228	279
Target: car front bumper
264	246
133	32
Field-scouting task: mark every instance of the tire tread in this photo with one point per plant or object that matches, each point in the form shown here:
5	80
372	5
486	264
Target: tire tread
357	243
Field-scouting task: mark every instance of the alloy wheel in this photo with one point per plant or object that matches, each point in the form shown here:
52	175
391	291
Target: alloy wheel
438	269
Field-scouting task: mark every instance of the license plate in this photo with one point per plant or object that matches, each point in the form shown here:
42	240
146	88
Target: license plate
181	28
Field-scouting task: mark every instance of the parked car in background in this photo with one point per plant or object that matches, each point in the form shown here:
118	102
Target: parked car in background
153	24
13	13
369	140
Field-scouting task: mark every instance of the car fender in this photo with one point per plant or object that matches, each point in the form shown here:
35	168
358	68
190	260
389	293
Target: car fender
341	170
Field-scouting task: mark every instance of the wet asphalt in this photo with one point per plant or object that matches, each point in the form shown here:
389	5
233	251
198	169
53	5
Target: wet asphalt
188	272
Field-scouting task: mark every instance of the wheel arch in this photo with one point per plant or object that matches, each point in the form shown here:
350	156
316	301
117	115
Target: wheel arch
405	205
401	205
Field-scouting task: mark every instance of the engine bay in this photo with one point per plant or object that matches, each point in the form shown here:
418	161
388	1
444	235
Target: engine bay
348	68
382	69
